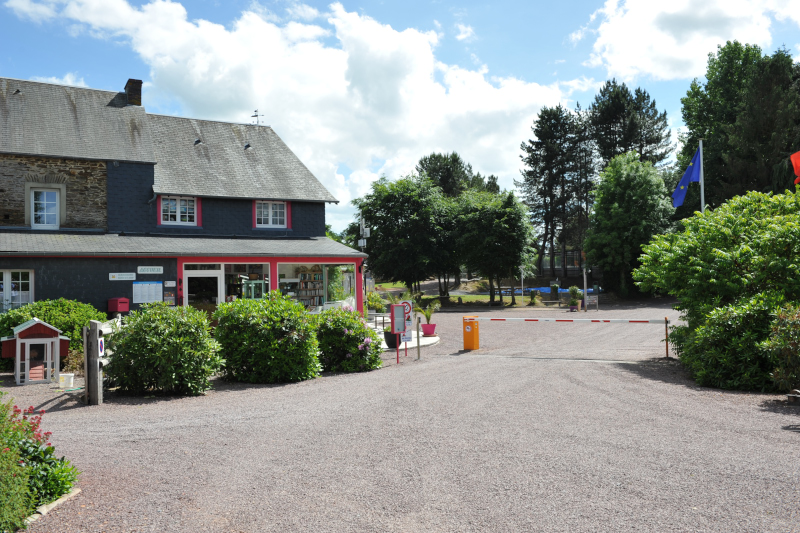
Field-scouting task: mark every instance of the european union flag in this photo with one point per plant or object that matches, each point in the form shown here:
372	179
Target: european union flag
692	174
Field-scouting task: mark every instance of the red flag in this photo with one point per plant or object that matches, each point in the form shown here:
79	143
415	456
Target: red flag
795	157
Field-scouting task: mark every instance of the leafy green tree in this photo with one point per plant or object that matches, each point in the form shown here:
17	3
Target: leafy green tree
447	171
748	114
548	162
403	218
631	205
731	269
624	121
495	235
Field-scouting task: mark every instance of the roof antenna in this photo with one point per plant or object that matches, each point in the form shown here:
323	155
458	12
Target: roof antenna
256	116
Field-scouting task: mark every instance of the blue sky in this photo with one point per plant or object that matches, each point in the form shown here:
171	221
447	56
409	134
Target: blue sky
361	89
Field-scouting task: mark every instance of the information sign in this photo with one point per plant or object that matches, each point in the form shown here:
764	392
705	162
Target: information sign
122	276
145	292
149	270
592	299
398	318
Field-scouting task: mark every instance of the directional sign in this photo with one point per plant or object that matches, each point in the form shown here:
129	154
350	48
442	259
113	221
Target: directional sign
408	307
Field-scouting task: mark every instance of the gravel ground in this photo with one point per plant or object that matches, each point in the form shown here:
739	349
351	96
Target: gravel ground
548	427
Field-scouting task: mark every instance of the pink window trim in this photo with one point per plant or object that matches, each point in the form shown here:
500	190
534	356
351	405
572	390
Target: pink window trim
198	212
158	210
254	213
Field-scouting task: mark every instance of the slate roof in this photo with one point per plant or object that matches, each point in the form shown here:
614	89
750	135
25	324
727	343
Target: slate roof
43	119
54	244
220	165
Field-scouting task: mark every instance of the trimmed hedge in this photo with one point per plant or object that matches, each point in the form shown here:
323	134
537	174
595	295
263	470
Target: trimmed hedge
346	343
267	341
163	349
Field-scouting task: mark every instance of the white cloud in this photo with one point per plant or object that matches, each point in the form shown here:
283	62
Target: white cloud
38	12
303	11
671	40
70	78
373	100
465	33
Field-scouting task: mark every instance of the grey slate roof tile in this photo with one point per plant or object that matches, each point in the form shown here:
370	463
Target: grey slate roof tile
43	119
49	244
220	165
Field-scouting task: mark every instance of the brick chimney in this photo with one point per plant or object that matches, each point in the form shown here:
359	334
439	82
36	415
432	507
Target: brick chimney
133	90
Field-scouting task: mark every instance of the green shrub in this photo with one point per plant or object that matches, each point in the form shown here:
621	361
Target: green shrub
15	497
48	477
737	263
163	349
783	345
375	302
346	343
67	315
30	474
725	351
267	341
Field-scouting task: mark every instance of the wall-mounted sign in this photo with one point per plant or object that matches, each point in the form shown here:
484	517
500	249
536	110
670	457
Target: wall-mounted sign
145	292
149	270
122	276
169	284
169	297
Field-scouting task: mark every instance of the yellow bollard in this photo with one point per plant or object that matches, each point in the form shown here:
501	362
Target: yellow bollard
471	333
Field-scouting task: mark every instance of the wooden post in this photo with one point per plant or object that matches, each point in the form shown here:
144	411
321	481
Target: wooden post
666	334
94	375
418	322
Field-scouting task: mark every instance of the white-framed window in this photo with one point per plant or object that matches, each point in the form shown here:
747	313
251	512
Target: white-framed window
16	288
178	210
45	208
270	214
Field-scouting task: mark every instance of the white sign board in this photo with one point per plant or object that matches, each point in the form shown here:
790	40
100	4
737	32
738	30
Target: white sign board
398	318
145	292
122	276
149	270
408	306
592	300
169	284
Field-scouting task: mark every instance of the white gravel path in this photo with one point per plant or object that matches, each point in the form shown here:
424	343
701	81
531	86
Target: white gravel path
557	427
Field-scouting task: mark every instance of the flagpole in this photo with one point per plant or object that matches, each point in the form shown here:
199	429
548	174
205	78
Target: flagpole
702	184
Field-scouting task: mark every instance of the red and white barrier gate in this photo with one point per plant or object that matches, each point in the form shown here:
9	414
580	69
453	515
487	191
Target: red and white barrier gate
472	331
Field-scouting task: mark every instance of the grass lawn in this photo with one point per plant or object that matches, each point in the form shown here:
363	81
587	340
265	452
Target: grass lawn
384	286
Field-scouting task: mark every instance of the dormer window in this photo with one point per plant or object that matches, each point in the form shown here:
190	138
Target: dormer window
270	214
45	208
179	210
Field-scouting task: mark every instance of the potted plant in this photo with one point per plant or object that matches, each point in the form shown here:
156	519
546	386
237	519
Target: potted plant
428	329
575	295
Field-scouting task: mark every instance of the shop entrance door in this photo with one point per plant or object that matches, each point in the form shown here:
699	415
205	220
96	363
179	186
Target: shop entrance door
203	289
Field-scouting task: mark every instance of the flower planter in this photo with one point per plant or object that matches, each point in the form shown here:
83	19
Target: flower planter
390	338
428	330
573	308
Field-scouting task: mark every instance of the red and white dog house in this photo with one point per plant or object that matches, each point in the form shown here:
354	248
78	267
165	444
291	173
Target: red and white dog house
36	348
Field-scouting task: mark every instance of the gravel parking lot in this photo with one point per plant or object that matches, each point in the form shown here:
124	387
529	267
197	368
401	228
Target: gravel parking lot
548	427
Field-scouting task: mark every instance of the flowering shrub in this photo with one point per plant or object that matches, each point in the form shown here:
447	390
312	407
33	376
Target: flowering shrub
163	349
346	343
30	474
784	345
267	341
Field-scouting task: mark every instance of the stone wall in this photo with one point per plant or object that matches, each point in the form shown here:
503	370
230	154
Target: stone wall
86	203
